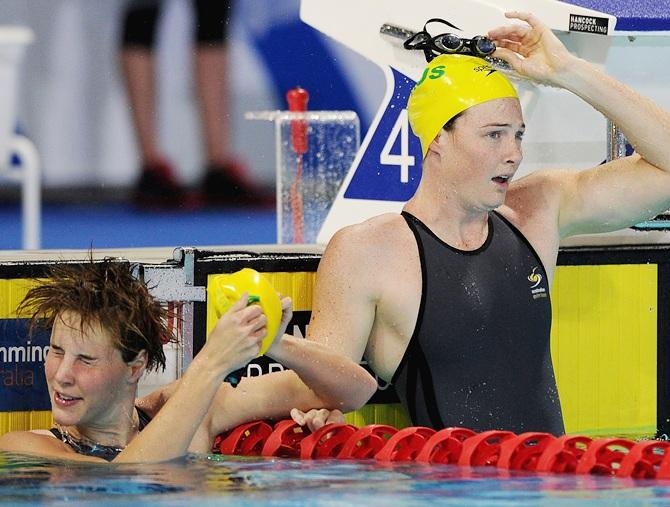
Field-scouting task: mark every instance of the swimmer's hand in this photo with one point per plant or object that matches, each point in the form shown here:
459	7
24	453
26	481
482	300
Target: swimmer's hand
286	316
237	336
533	51
316	418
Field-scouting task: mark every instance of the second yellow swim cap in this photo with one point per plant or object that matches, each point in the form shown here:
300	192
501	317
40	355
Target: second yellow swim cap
450	84
224	289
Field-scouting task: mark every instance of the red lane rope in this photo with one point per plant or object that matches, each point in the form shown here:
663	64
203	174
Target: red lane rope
532	451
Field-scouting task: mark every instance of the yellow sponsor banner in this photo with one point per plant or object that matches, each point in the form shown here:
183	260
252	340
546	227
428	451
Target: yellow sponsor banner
22	421
12	291
604	348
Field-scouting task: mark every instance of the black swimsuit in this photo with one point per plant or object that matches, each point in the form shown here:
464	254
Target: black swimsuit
106	452
479	356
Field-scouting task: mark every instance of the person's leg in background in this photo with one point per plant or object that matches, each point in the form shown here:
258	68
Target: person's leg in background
224	181
157	184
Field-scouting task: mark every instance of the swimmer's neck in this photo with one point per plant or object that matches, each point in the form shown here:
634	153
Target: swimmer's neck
116	432
456	226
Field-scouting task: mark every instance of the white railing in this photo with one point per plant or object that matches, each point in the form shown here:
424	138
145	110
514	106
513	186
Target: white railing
26	171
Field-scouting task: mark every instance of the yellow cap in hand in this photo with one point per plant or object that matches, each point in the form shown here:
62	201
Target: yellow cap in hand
225	289
450	84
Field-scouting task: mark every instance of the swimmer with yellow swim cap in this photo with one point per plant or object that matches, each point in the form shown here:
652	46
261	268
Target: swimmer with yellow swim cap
449	300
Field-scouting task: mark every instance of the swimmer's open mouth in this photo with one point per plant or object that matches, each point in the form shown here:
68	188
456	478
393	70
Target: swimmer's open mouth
501	179
63	397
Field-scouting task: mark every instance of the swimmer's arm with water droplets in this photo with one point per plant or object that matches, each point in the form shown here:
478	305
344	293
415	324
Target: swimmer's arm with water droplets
337	381
343	312
320	378
343	307
628	190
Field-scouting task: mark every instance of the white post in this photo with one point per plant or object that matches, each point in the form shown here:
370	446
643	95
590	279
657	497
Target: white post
13	40
31	202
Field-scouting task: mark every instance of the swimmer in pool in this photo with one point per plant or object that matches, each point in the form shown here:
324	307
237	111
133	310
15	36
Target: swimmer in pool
107	330
449	300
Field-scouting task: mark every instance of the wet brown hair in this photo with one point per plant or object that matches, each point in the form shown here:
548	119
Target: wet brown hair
105	292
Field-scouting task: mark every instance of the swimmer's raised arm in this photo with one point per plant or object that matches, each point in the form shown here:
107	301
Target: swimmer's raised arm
622	192
233	342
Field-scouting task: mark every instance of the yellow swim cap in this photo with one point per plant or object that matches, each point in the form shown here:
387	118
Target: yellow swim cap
450	84
225	289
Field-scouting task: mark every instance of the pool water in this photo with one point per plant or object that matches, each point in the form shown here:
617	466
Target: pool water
198	480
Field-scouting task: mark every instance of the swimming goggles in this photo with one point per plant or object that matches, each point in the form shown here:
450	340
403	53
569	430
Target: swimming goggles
448	43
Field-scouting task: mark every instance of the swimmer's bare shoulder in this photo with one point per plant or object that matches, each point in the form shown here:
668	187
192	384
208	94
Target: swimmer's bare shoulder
362	250
41	443
350	281
536	197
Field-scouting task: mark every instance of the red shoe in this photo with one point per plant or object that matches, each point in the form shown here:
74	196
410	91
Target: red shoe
157	187
224	185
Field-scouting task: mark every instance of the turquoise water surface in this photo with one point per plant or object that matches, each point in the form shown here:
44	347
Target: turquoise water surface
224	480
